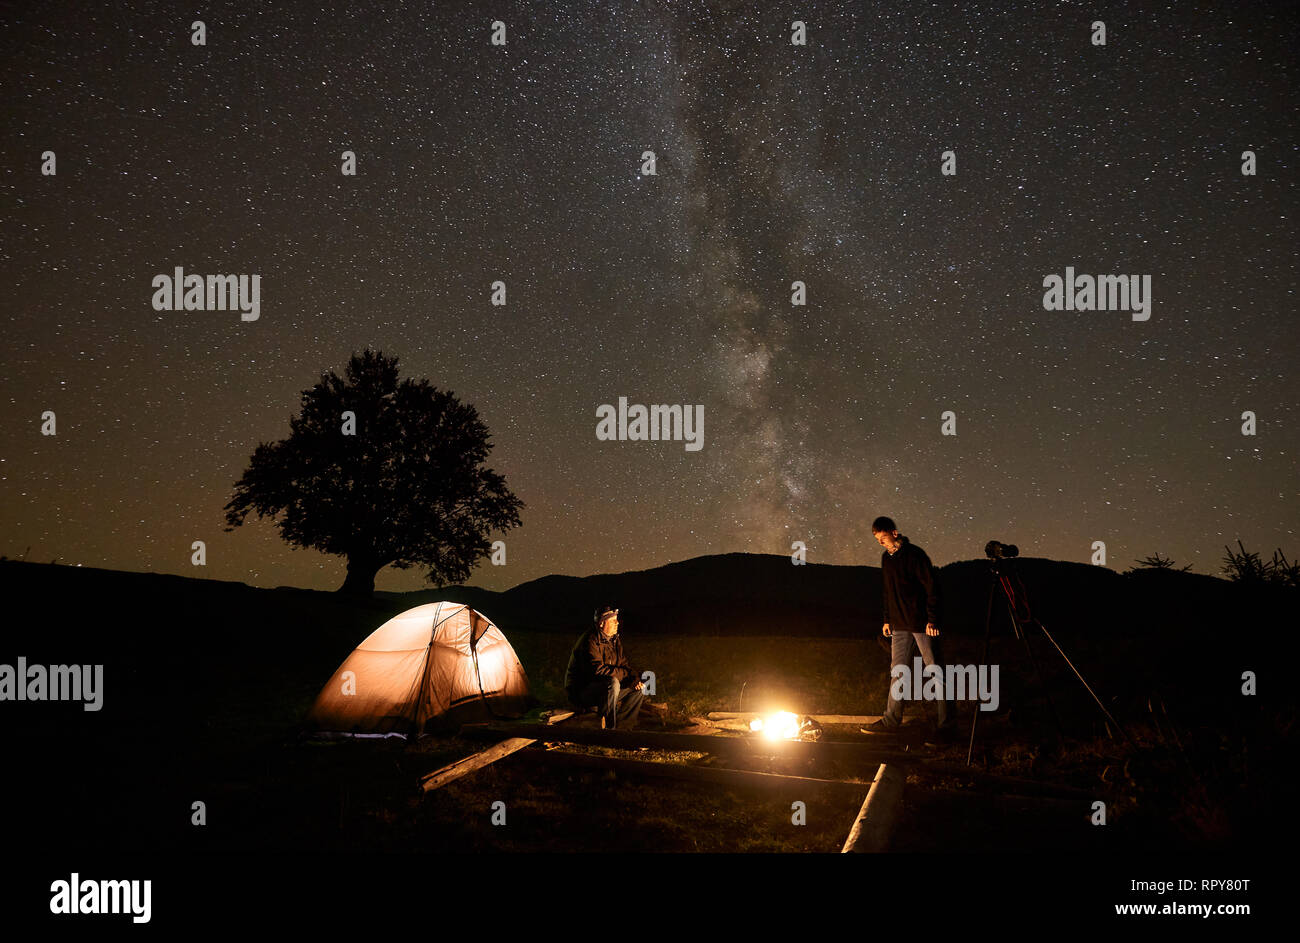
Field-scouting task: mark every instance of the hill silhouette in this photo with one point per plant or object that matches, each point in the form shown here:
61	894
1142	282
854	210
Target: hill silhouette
726	594
761	594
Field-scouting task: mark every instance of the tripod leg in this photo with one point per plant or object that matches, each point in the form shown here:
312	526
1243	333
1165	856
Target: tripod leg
975	714
1085	683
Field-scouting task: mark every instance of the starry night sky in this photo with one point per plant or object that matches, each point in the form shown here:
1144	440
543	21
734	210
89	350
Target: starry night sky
776	163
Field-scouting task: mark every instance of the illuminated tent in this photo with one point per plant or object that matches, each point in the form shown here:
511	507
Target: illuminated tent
435	665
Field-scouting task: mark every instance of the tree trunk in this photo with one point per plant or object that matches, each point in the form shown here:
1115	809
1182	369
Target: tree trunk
360	580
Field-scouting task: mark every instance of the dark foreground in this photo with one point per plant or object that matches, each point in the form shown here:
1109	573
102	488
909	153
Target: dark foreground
205	684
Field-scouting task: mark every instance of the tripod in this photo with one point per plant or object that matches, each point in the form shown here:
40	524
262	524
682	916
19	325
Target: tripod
1002	572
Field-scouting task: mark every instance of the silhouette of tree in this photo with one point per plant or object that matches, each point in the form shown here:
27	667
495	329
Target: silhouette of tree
1157	562
1248	567
1244	567
1284	571
407	488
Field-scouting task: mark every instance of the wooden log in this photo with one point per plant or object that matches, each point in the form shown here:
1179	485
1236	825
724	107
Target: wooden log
557	717
859	719
731	778
454	771
722	744
875	821
705	729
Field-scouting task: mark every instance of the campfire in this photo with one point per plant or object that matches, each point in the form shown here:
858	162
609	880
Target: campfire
784	725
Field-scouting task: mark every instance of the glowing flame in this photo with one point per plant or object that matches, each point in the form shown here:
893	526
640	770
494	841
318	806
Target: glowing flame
779	726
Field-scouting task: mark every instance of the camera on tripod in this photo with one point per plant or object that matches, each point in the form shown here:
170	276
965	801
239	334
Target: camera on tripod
1007	581
997	551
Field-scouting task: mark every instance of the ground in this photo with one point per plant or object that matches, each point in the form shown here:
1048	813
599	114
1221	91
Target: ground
205	694
269	789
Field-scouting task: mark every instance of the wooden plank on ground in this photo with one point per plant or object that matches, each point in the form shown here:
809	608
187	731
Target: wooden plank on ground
454	771
874	751
879	812
734	778
859	719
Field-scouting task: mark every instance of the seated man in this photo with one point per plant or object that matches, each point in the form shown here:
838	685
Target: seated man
599	676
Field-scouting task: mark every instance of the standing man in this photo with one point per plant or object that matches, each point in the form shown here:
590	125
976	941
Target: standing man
599	675
912	615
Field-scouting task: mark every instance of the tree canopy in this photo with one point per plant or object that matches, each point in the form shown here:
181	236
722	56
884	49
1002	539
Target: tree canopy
383	473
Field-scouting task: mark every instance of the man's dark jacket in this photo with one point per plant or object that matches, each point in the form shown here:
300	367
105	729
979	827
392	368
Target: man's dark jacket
596	656
911	589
